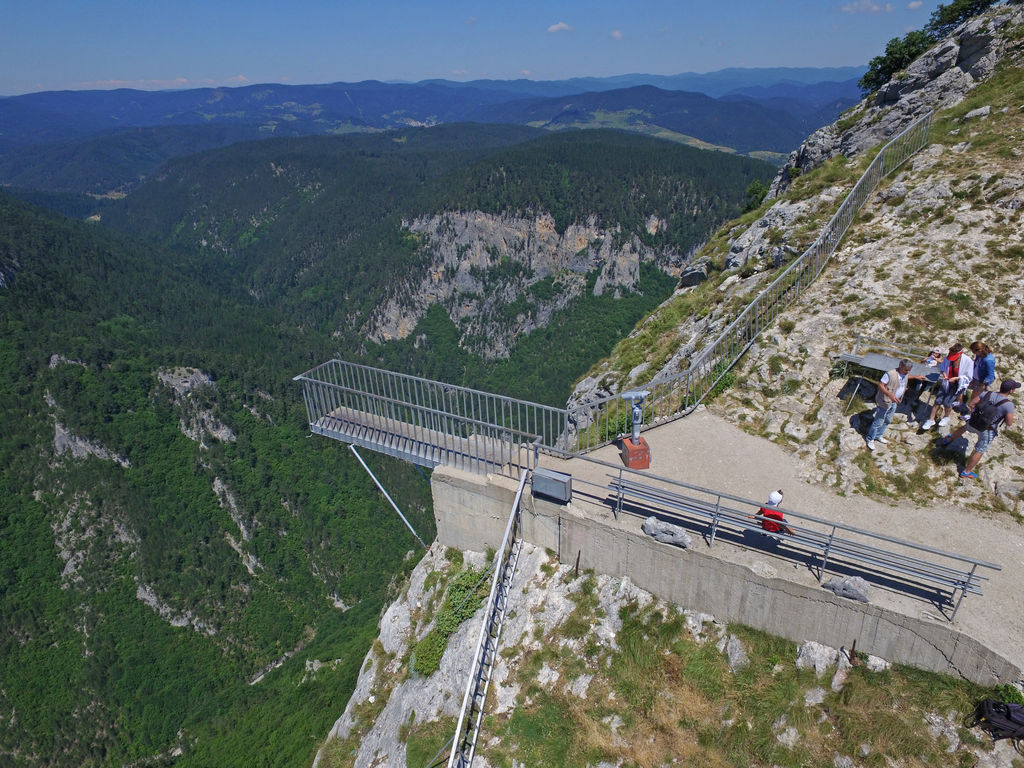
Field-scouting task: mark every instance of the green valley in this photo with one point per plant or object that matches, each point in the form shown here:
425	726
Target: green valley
187	576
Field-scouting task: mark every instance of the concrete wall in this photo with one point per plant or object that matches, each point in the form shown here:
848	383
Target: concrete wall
472	513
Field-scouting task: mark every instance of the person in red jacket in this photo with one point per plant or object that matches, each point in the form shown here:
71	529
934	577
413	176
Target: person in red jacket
771	517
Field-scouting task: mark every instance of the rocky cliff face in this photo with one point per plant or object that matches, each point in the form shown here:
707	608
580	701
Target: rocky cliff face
933	258
939	79
477	265
594	665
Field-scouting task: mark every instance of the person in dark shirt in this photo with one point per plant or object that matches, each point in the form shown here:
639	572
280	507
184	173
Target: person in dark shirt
1002	408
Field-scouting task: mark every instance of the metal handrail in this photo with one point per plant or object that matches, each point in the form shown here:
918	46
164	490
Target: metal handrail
599	422
470	716
436	415
530	417
823	540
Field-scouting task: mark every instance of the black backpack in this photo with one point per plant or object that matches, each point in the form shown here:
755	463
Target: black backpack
1001	720
986	413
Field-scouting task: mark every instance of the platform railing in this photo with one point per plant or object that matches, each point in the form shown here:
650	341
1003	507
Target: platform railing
429	422
880	557
600	421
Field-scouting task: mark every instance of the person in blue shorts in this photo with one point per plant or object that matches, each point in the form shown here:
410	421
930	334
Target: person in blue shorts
995	409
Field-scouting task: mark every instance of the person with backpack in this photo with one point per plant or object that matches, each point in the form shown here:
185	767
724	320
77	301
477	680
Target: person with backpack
955	374
989	410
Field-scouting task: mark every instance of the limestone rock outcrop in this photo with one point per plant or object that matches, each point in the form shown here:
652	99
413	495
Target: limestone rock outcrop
477	264
938	79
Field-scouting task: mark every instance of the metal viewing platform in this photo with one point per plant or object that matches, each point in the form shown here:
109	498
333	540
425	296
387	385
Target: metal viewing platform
427	422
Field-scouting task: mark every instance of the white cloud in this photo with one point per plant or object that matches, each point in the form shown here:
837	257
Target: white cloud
471	21
616	34
914	5
525	72
867	6
559	27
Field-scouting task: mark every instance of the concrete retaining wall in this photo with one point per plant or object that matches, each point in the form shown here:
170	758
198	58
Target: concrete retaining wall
472	513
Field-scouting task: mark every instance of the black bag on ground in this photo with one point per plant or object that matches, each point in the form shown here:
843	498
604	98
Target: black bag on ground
1001	720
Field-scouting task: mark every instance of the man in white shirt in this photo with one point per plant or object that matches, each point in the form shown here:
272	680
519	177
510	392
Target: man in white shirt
890	392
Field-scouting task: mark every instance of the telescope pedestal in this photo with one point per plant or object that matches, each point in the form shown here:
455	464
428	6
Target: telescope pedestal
636	455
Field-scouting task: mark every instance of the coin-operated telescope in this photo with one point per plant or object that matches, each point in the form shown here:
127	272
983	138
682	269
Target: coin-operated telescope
636	454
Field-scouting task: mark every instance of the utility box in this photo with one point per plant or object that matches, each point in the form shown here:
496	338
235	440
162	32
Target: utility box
556	486
636	455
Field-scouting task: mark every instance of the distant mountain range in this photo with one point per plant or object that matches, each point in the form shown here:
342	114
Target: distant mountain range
103	142
737	123
719	83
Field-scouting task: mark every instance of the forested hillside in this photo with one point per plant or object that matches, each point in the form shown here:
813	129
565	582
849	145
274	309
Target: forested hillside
107	142
740	124
319	228
168	530
187	575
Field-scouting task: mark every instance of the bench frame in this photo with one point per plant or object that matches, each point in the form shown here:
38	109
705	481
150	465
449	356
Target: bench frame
827	541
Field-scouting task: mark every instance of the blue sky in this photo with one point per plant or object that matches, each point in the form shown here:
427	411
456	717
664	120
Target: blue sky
79	44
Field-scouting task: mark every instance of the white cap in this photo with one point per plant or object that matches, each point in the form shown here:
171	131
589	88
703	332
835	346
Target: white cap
775	498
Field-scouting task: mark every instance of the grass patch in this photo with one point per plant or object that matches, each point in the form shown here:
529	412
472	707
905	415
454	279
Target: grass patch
339	753
789	386
875	482
465	593
587	608
914	484
425	740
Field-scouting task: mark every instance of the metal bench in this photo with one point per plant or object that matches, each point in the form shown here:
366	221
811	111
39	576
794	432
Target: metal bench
867	553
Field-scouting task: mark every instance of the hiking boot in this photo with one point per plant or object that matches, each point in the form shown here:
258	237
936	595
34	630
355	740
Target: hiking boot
871	445
945	441
944	421
968	475
929	424
881	440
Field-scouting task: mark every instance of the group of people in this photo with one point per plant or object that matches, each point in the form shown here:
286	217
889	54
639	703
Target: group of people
965	385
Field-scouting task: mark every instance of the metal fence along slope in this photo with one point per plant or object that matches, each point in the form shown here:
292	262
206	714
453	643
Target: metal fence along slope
599	422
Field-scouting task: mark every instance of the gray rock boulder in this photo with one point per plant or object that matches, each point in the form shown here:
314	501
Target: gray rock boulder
817	656
733	647
851	587
667	533
693	275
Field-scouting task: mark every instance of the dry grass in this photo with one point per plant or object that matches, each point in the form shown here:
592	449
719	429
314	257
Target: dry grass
663	698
